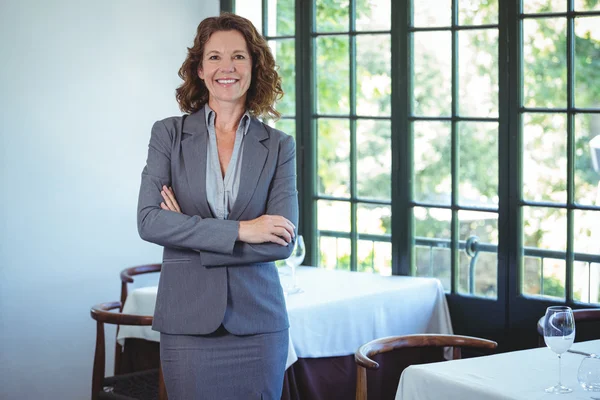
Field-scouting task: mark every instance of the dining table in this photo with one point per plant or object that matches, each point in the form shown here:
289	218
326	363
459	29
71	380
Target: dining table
515	375
332	313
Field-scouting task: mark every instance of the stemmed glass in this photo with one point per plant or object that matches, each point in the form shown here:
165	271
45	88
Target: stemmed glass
559	333
294	260
588	374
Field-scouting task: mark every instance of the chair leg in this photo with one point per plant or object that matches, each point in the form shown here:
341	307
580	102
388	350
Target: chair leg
99	361
361	383
162	389
118	351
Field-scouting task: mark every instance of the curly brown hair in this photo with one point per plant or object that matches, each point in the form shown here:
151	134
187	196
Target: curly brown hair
265	86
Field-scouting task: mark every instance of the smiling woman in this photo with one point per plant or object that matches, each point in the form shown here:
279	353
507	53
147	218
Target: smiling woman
219	194
265	83
226	67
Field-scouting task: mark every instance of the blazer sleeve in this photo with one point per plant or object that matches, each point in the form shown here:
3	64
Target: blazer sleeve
168	228
282	200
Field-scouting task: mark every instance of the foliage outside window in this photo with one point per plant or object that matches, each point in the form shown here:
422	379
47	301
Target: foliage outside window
454	121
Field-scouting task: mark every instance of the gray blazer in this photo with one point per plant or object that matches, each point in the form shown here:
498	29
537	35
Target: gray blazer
208	278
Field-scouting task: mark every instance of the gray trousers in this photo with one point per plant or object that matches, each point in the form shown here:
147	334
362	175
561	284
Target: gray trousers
222	366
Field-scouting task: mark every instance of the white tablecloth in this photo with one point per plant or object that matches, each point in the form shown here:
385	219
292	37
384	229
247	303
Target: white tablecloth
337	311
518	375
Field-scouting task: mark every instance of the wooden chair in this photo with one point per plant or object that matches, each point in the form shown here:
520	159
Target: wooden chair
128	273
127	277
143	385
587	325
432	344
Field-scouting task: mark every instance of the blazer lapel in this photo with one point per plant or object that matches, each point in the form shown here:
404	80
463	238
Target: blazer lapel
193	146
253	162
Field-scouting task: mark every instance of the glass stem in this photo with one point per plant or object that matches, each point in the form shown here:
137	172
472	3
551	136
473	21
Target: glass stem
293	276
559	371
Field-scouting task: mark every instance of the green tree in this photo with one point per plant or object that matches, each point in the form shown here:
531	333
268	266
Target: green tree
545	85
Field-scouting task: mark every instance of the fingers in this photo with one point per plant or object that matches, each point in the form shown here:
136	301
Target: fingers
278	240
284	234
284	223
169	199
281	230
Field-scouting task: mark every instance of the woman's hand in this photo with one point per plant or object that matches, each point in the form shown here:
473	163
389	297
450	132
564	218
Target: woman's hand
169	203
267	228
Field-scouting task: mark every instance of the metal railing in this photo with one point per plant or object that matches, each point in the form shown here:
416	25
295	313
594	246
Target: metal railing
473	248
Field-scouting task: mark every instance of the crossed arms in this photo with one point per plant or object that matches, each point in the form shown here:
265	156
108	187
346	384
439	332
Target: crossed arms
269	237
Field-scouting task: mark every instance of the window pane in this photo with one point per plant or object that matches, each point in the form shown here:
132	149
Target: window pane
544	6
586	233
366	256
544	277
586	275
433	180
478	73
432	243
478	277
285	57
333	149
374	219
545	157
374	164
285	125
545	228
434	262
333	75
375	257
587	159
334	253
477	12
333	215
251	9
432	73
373	80
587	62
586	282
478	163
281	17
532	282
332	15
373	15
429	13
383	258
587	5
554	277
545	63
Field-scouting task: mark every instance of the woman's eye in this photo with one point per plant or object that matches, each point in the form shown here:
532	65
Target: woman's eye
213	58
240	57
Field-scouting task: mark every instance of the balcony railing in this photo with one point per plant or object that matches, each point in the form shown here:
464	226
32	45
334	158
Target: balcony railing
473	248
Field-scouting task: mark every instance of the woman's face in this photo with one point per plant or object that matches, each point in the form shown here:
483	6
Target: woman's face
226	67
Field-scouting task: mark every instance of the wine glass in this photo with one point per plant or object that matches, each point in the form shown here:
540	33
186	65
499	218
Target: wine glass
588	374
559	333
294	260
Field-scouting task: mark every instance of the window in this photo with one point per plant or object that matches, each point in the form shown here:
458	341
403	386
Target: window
447	138
454	121
559	117
352	71
275	19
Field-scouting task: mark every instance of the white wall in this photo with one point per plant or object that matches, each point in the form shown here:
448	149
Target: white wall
81	83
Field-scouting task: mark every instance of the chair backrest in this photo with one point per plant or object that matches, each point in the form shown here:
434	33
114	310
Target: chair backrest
103	315
127	277
585	317
364	355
